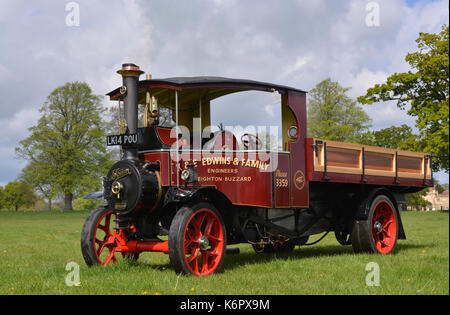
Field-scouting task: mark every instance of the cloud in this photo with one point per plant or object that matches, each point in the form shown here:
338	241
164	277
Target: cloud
383	114
298	66
13	130
17	126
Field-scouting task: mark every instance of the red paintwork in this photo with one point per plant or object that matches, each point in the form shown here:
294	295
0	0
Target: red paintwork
371	179
164	161
309	159
300	197
145	246
164	135
244	178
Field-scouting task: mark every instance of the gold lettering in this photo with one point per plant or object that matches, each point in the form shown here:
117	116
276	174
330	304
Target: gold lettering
279	173
238	179
119	173
210	179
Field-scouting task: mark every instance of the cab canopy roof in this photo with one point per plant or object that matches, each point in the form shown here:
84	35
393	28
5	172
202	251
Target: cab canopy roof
206	87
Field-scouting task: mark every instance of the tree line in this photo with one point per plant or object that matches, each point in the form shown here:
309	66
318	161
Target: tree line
67	157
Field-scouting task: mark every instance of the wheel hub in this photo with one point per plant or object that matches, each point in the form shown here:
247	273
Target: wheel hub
203	242
378	227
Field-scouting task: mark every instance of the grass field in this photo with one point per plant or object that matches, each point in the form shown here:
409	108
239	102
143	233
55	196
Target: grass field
35	248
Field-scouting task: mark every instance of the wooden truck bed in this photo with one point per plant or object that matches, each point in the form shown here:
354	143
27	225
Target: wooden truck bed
354	163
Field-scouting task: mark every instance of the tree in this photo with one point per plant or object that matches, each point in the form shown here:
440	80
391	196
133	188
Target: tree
67	146
440	187
1	197
17	194
333	115
416	200
41	177
391	138
426	90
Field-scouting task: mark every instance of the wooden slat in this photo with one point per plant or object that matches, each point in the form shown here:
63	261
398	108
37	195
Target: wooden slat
410	164
379	161
343	157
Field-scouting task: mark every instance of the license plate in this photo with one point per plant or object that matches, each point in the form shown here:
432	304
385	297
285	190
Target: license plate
131	139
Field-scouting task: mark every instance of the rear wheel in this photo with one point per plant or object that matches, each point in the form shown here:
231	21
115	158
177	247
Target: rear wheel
197	240
379	233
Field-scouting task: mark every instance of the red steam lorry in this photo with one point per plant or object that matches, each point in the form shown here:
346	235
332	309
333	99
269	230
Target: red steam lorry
188	192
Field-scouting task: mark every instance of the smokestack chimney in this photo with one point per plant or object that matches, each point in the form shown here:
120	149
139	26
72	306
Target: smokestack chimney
130	74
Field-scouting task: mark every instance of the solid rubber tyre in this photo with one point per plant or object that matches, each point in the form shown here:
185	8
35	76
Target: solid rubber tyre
197	240
379	232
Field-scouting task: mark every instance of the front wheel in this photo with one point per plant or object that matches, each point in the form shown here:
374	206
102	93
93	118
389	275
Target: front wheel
379	233
99	240
197	240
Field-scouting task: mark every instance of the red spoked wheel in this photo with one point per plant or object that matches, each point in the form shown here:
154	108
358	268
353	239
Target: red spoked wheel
99	240
379	233
197	240
384	227
104	240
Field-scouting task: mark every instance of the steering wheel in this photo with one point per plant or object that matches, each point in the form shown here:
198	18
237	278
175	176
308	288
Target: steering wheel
251	141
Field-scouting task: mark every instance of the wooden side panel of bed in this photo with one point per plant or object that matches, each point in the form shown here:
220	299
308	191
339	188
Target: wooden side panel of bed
349	158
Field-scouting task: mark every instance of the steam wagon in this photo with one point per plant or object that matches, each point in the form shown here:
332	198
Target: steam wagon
188	190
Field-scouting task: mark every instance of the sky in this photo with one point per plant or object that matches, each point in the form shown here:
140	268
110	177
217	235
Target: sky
46	43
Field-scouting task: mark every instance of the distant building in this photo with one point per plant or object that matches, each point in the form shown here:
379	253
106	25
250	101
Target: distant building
437	201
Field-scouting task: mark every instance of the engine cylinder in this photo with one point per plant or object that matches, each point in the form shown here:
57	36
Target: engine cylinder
129	187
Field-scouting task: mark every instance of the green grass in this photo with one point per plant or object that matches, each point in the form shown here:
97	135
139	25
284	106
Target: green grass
36	246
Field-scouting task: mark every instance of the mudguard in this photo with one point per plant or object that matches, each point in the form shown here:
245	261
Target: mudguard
176	195
94	195
181	194
365	202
